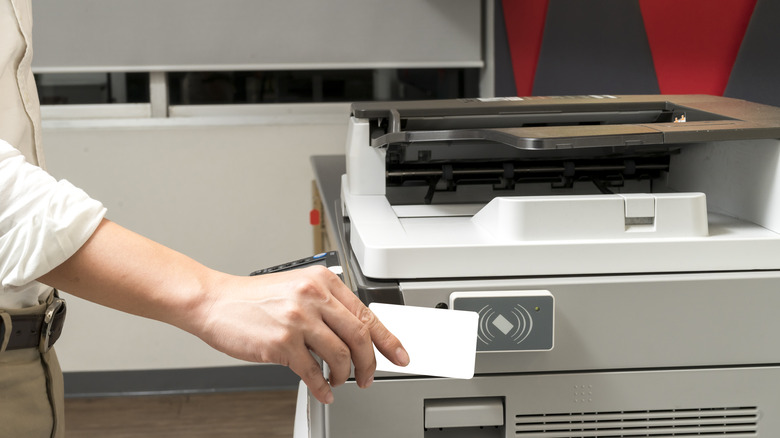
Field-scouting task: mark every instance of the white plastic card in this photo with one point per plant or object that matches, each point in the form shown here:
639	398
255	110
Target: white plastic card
440	342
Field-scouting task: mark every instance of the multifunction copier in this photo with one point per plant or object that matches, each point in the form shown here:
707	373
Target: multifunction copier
622	252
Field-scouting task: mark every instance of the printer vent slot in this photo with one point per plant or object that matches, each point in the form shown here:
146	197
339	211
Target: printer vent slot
701	422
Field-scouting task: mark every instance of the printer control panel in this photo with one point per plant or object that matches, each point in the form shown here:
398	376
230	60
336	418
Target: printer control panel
328	259
510	320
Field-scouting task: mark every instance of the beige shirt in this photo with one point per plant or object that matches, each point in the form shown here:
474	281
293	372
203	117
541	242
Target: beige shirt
42	221
20	119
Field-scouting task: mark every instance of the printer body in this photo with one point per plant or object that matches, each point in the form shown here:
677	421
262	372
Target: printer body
623	254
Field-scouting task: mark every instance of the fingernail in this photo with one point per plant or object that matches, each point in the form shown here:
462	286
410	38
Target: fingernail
366	383
401	356
328	398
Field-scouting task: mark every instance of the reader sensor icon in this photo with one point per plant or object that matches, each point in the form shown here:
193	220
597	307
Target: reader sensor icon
521	320
516	324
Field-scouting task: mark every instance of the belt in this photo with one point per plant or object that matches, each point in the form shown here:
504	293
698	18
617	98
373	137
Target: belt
39	331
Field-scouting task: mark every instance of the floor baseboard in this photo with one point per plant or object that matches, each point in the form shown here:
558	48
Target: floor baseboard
179	381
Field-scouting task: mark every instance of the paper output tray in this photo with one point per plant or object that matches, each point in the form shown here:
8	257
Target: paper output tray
580	122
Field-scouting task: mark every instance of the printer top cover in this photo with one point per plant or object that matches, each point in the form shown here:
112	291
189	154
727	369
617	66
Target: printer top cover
562	186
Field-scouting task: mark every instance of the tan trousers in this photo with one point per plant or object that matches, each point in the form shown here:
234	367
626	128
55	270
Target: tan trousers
32	401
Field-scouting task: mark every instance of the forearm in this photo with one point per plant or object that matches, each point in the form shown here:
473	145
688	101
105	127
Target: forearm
125	271
274	318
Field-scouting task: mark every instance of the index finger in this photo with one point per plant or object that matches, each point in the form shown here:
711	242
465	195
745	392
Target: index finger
385	341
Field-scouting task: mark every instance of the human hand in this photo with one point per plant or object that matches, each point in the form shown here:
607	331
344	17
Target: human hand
279	318
273	318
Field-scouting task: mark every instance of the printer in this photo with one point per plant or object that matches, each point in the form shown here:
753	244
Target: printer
622	252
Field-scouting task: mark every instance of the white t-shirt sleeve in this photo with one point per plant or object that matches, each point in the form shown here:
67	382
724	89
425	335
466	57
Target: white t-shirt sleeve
42	221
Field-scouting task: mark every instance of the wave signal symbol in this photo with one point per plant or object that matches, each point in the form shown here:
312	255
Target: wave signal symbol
517	325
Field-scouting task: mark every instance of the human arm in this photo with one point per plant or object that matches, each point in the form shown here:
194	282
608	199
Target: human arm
275	318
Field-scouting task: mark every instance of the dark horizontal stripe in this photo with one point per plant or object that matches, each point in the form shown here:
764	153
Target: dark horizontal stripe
173	381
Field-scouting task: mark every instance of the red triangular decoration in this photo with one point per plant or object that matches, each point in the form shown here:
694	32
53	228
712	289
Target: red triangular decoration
525	29
695	42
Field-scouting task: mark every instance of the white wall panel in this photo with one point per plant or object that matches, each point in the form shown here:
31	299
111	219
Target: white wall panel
234	196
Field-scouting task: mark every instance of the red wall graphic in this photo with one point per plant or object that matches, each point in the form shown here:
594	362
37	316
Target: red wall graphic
525	28
695	42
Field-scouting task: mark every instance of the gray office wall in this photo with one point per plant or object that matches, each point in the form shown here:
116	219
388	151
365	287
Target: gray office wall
581	54
756	73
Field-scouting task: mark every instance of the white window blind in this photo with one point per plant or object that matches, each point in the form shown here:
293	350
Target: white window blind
190	35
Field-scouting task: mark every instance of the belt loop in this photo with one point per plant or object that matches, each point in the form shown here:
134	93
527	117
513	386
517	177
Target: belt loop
8	329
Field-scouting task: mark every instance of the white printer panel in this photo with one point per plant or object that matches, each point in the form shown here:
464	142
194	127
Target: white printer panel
636	321
709	402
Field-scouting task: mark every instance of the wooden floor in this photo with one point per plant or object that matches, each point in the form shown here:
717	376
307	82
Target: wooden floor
266	414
